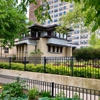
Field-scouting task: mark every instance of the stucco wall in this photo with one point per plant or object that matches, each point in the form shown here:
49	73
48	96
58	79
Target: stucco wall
11	53
66	80
30	48
43	47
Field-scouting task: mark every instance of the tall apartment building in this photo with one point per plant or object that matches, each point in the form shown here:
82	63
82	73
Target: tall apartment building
32	8
57	9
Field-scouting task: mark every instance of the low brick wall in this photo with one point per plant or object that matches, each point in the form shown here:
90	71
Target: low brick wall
60	79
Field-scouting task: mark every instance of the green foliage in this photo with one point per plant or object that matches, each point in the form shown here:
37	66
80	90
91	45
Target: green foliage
76	97
36	52
61	96
72	18
14	57
44	98
12	21
94	41
88	6
45	93
33	93
87	53
78	70
18	66
13	91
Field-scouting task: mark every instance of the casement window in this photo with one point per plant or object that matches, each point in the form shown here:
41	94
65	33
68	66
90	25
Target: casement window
6	50
61	49
49	48
55	49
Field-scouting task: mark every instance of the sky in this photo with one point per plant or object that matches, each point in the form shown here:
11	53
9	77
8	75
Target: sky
27	9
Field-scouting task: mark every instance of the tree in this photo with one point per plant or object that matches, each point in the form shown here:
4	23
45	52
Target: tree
94	41
72	18
12	21
93	15
76	17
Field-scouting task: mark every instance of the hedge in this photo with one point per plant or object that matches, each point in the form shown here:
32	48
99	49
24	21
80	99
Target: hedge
86	53
87	72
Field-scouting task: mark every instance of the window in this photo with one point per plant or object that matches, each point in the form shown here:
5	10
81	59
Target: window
36	34
56	10
55	15
49	2
56	5
81	42
33	33
43	5
50	12
76	42
53	49
6	50
76	37
49	48
60	13
64	12
60	9
64	7
51	7
57	49
49	22
84	30
55	1
60	4
71	5
76	31
60	49
55	20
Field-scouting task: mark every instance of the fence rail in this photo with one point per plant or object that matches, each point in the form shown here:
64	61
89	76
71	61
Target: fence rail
58	65
54	88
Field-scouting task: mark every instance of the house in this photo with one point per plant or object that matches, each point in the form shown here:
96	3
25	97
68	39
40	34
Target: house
7	52
44	38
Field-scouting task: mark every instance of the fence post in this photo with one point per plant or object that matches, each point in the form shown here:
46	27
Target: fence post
44	64
24	63
52	89
9	62
18	79
72	65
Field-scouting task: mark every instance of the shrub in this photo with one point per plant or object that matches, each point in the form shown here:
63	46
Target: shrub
45	93
78	70
13	91
17	66
33	93
4	65
87	53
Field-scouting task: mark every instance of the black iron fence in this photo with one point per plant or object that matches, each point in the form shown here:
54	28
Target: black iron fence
56	65
54	88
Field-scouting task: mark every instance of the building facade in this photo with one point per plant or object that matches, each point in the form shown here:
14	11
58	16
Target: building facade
45	39
7	52
32	8
57	9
